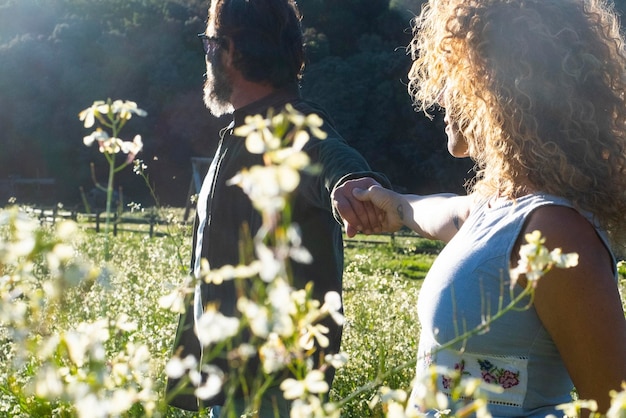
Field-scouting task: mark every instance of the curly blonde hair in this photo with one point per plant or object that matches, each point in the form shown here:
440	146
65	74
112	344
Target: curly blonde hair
538	88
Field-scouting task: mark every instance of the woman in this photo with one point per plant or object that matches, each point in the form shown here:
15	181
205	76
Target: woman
534	92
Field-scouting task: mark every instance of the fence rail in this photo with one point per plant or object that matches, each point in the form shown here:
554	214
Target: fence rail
98	219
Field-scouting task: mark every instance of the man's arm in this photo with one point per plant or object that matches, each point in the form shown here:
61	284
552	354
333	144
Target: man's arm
342	170
437	216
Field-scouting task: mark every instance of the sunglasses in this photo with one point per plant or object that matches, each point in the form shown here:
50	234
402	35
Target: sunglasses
210	44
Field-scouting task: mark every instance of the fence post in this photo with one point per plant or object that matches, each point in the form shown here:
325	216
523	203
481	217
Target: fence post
152	217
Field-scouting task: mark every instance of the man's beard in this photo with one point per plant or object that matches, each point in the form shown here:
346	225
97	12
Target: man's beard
217	88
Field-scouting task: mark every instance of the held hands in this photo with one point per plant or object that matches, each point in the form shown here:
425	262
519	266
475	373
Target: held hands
391	204
358	215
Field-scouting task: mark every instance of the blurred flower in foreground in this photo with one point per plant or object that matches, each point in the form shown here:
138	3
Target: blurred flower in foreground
618	403
213	327
313	383
535	259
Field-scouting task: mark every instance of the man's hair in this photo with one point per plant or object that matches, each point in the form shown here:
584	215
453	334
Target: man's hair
266	36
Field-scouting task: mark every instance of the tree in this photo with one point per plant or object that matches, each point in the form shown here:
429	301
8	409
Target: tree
86	50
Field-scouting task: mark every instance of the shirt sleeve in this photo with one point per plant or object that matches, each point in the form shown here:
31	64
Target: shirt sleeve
337	162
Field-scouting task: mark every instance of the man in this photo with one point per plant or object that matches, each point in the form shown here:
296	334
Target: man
255	57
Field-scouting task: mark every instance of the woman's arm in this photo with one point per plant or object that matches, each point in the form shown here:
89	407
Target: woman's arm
581	307
437	216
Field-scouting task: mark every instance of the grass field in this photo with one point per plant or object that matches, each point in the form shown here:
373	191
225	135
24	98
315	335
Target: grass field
381	285
382	279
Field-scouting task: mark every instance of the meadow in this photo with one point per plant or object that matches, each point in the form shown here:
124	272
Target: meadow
381	284
383	275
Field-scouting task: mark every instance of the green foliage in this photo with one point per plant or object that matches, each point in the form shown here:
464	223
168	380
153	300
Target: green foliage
82	50
406	258
366	96
382	327
58	55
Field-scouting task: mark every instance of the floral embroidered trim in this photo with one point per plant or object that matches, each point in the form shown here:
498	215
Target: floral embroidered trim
508	372
498	375
448	382
489	373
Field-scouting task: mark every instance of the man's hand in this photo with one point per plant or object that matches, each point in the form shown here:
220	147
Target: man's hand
358	216
394	207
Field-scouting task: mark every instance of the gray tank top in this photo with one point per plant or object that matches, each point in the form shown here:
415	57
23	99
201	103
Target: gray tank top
464	286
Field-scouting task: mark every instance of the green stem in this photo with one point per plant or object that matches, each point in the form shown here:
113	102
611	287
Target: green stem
107	254
111	159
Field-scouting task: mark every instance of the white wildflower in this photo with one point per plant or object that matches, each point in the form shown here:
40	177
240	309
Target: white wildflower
257	316
139	167
48	384
98	136
279	296
126	108
90	406
309	407
332	306
124	323
22	239
273	354
213	326
563	260
132	148
177	367
173	301
110	146
618	403
212	385
66	230
313	383
86	341
395	410
574	408
386	395
337	360
535	259
95	110
244	351
313	332
122	400
300	255
270	266
267	186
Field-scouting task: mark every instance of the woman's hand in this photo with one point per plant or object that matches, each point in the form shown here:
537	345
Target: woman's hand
392	206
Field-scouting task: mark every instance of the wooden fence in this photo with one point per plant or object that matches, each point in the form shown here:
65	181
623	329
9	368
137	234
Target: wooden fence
151	222
98	219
